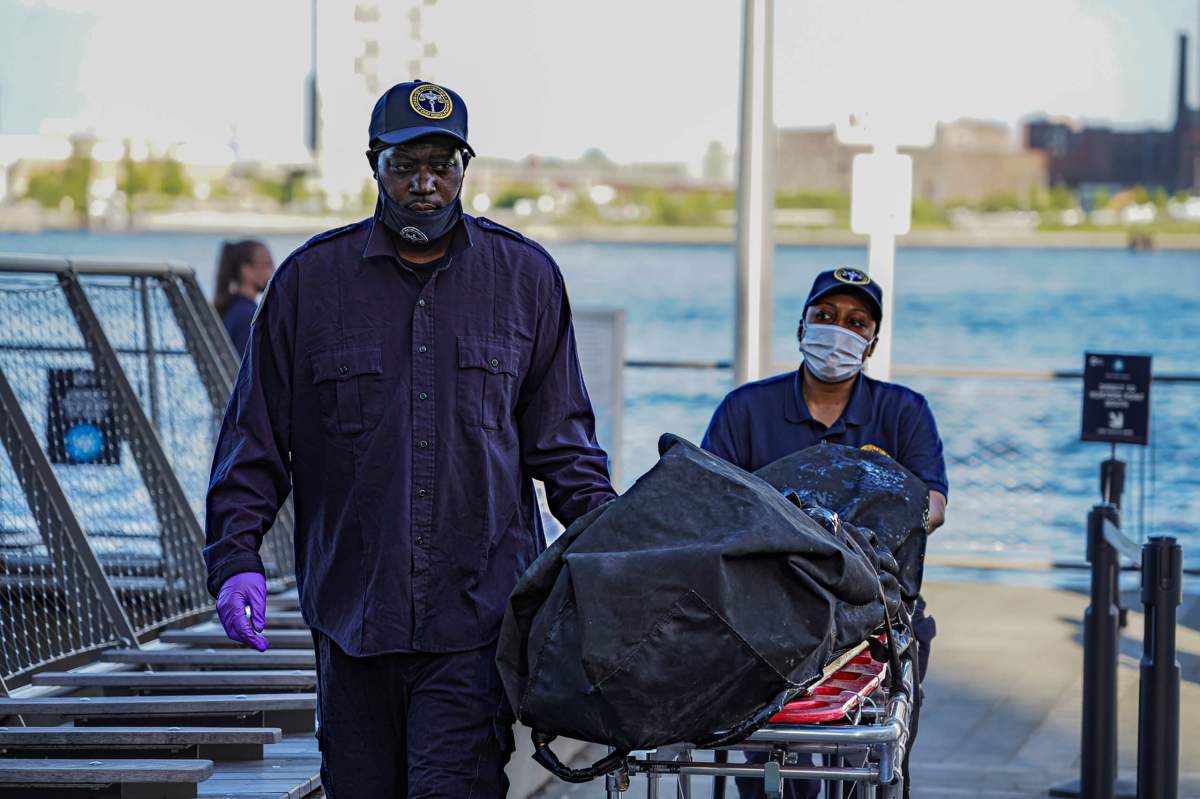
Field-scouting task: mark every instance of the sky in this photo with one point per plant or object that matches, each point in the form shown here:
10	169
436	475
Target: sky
642	80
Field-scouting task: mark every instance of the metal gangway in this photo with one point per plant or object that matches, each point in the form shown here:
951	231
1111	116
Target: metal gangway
114	377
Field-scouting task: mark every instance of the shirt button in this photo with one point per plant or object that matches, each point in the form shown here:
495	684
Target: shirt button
423	396
420	540
422	492
423	444
494	363
343	369
421	302
422	348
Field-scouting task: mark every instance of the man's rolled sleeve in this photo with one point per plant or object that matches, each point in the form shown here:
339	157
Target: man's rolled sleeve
557	427
251	471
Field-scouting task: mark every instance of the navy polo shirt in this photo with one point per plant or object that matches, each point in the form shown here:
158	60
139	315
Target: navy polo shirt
409	412
761	422
237	320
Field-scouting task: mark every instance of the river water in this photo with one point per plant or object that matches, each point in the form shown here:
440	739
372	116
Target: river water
1020	482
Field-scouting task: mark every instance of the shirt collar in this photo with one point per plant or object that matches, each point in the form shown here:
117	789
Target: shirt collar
379	240
859	410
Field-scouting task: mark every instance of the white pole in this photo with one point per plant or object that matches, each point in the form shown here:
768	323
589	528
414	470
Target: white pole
881	266
881	208
755	196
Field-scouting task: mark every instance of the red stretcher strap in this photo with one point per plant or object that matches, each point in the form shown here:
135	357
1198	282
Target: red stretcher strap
838	695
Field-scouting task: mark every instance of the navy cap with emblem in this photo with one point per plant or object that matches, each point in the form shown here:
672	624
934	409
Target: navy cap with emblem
411	110
848	281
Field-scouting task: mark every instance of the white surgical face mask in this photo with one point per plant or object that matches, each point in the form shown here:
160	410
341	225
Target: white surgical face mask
832	353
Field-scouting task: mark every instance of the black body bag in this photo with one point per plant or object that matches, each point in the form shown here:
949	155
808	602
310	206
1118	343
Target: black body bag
866	489
685	607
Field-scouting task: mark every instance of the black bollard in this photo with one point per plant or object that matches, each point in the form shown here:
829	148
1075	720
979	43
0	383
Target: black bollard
1098	757
1158	706
1112	486
1112	480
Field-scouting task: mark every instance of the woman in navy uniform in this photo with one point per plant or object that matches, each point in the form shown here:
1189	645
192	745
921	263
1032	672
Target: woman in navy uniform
243	271
829	399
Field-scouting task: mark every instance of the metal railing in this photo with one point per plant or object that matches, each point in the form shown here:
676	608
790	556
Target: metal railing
114	375
55	599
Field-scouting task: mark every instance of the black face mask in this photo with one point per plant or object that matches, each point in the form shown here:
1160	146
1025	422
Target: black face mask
417	229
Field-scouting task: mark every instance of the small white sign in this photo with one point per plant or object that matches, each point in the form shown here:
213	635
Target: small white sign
881	194
887	127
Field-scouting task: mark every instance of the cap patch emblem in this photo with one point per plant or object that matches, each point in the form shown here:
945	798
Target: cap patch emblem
852	277
414	235
431	101
873	448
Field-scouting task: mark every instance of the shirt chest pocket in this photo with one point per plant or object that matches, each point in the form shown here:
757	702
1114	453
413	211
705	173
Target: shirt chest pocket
487	381
349	382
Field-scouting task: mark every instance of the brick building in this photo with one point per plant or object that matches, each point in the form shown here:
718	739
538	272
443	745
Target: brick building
969	160
1080	155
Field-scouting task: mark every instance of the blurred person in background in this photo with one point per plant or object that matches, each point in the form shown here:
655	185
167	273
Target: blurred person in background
243	272
829	399
408	377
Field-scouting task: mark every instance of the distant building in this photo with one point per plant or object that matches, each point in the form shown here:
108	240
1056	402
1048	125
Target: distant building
22	154
718	164
1079	155
594	168
812	159
969	160
362	49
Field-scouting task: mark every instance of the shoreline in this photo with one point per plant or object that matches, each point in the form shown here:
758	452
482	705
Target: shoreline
296	224
933	239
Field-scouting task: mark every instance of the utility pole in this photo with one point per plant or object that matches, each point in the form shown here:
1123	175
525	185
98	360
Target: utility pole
755	196
313	96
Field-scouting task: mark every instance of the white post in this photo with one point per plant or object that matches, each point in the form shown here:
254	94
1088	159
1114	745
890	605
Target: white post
881	204
881	266
755	196
881	244
881	207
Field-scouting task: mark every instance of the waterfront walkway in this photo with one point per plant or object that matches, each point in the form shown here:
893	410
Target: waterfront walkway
1003	697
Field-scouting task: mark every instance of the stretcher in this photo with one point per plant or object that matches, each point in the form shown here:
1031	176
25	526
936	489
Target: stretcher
856	718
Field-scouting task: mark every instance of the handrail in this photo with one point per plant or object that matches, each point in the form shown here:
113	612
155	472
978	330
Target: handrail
921	371
90	265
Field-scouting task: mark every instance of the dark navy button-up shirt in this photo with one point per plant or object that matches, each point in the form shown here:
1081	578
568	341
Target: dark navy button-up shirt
761	422
410	417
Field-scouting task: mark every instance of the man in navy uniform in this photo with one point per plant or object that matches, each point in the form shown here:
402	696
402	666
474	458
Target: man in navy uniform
828	399
408	377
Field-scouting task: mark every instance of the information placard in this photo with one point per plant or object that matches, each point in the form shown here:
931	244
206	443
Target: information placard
80	425
1116	398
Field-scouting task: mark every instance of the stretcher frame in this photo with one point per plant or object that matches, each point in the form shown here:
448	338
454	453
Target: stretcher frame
875	740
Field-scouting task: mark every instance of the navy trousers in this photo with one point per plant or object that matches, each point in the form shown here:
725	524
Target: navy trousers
411	726
924	630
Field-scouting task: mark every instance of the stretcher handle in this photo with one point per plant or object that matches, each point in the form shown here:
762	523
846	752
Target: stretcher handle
545	757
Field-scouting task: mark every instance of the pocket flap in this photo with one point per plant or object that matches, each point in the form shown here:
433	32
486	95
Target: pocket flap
486	353
344	363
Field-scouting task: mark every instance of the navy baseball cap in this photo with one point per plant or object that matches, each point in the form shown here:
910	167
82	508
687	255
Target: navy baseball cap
848	281
418	108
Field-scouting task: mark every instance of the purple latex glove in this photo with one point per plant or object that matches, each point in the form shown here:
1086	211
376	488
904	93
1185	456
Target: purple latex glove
241	602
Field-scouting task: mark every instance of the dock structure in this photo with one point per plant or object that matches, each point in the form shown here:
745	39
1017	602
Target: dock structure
115	677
